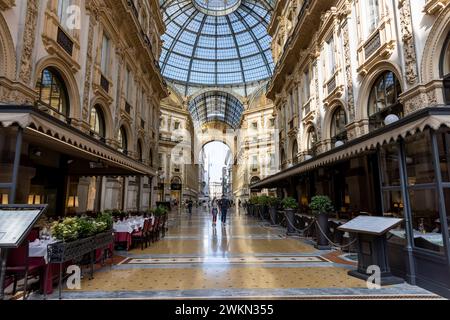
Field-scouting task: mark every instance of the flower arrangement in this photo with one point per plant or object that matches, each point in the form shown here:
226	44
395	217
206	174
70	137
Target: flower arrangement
263	200
160	211
73	228
273	201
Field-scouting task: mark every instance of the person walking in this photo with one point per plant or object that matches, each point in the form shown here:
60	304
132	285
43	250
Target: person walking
215	210
224	205
190	204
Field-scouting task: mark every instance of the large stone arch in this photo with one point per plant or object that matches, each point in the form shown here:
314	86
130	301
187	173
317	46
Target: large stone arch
108	118
430	64
7	52
67	75
367	83
327	121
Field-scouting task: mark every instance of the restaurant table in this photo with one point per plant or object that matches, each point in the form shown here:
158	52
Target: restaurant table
124	229
38	254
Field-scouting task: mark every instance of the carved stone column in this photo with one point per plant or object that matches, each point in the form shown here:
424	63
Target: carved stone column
29	36
409	49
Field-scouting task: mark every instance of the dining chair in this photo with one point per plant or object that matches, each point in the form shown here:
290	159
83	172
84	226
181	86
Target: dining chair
18	265
140	236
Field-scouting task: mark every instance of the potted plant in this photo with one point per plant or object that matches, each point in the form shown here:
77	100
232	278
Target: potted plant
290	205
273	207
252	205
263	206
322	206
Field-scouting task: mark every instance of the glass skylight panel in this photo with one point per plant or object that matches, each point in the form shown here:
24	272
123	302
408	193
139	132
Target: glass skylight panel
207	47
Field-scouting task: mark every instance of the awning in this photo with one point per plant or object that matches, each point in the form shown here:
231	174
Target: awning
41	125
432	118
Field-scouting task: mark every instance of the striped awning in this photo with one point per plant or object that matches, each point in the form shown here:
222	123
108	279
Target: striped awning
42	126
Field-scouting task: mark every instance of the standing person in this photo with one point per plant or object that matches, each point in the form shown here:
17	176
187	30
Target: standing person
189	205
215	210
224	204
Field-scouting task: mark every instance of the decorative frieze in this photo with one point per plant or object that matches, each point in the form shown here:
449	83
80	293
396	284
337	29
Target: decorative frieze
29	35
409	49
7	4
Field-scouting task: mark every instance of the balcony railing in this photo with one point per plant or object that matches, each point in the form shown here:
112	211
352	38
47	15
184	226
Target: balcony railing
372	45
64	41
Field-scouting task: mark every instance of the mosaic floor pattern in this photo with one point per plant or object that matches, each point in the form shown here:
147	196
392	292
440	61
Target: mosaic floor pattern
244	259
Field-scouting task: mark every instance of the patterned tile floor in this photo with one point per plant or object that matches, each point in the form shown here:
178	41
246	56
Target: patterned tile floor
244	259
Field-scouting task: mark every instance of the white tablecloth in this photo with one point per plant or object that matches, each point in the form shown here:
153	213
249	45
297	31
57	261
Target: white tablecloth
38	249
129	225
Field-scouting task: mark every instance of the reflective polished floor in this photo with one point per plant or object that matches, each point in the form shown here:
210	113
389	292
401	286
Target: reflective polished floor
246	258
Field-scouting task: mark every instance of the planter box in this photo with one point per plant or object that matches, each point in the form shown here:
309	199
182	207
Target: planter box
61	252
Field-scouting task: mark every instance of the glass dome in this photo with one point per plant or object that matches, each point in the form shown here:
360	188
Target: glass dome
203	49
217	7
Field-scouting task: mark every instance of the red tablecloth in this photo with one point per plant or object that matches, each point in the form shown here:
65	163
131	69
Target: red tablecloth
47	273
123	237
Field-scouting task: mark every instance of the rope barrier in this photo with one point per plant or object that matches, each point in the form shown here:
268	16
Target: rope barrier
331	241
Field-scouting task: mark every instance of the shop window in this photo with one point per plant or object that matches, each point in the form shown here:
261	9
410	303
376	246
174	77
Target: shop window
389	165
122	139
426	219
443	138
384	100
338	126
393	204
52	92
419	159
97	122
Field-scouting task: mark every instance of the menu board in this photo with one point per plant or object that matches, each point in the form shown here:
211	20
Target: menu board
370	225
16	222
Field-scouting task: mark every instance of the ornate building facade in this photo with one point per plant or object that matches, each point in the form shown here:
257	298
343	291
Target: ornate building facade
80	90
360	90
178	172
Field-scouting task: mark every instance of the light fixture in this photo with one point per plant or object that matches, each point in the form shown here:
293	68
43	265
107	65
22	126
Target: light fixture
4	198
72	202
36	152
347	199
35	199
339	143
390	119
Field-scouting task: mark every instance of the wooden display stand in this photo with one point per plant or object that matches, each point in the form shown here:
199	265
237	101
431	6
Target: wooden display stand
372	246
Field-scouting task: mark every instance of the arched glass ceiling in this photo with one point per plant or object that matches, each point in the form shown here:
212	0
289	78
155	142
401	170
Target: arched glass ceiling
216	50
216	106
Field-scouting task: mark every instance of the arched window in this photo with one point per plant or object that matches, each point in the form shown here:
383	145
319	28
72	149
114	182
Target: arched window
312	141
384	100
139	151
254	180
445	69
52	92
338	126
295	152
123	141
97	122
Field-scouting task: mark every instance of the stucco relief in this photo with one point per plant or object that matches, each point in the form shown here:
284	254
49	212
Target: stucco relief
409	49
28	41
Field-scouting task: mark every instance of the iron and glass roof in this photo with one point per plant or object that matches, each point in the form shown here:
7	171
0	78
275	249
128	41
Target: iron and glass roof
216	106
216	43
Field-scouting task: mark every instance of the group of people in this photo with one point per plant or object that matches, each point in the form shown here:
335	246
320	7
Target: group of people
223	205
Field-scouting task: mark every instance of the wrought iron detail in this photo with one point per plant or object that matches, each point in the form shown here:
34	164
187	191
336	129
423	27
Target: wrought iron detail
64	41
372	45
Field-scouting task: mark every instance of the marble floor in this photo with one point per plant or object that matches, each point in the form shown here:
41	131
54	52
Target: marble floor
246	258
